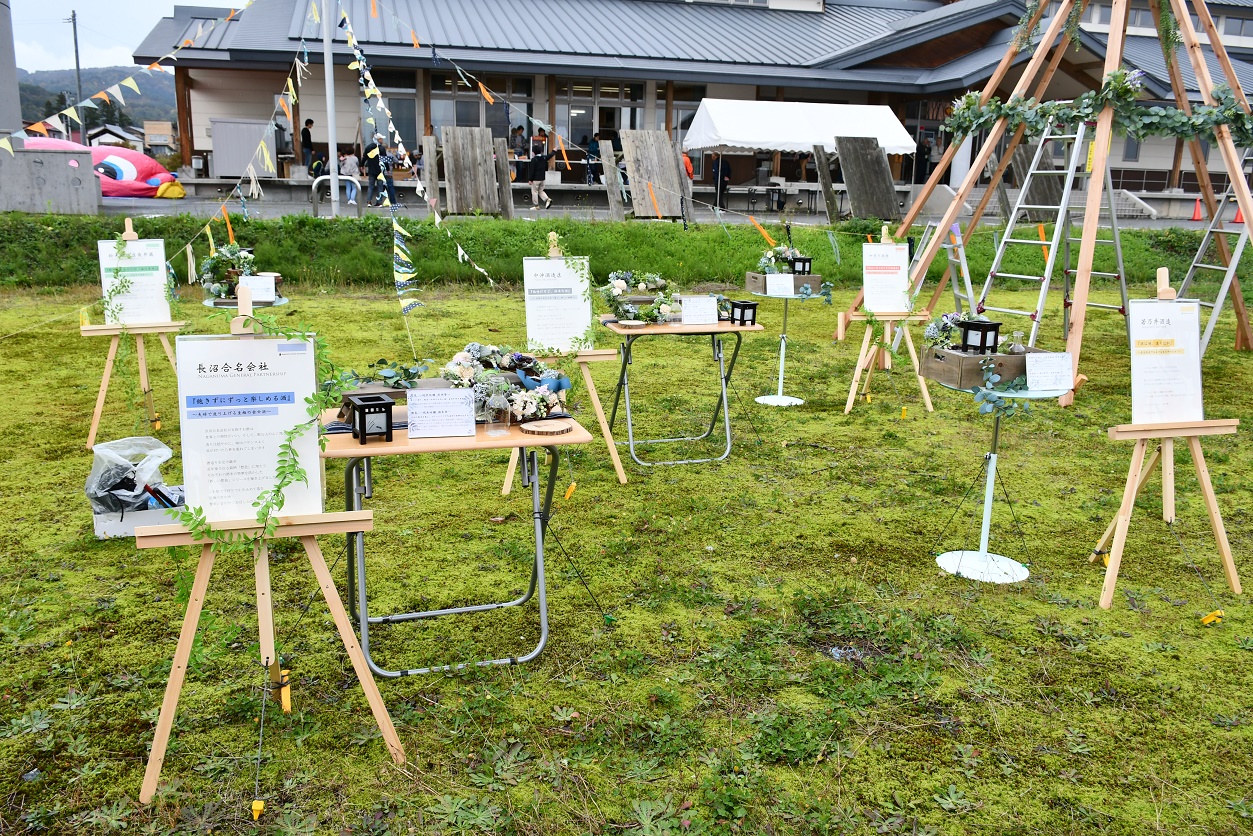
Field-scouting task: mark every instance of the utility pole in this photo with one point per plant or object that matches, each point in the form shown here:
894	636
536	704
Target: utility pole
328	69
10	102
78	78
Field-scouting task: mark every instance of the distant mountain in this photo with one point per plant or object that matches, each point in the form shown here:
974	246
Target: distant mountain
155	101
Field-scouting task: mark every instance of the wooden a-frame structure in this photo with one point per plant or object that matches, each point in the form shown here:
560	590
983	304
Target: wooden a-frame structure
1104	132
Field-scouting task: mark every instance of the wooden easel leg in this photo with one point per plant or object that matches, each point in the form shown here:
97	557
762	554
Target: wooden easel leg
885	356
913	358
872	361
104	390
142	359
1167	454
861	361
178	671
265	610
604	424
513	467
169	351
1123	523
372	696
1215	517
1145	474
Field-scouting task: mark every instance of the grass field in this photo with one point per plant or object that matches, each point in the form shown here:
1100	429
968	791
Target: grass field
781	655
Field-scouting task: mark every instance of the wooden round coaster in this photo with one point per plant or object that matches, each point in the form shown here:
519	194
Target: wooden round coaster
545	427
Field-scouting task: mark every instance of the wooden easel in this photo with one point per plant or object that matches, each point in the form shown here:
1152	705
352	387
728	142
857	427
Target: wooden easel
116	332
1140	472
583	358
878	353
305	528
1101	143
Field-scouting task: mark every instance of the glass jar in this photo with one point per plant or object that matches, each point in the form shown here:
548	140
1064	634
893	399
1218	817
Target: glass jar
1016	346
499	415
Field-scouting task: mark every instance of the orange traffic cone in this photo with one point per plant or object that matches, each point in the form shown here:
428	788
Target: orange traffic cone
1196	211
1239	219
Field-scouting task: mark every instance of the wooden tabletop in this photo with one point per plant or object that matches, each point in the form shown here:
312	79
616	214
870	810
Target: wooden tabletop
344	446
721	327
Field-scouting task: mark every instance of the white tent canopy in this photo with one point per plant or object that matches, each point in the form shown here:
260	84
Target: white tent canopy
741	127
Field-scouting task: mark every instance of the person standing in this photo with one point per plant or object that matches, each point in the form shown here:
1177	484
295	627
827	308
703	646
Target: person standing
372	172
935	156
350	167
387	161
721	171
593	160
306	143
537	169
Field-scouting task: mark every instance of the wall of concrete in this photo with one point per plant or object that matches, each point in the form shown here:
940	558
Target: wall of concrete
10	102
57	182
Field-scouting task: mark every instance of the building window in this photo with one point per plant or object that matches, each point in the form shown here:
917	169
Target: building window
455	103
1131	151
590	106
1238	26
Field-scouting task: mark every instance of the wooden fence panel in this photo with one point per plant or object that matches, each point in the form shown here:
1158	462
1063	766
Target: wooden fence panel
470	171
650	158
868	178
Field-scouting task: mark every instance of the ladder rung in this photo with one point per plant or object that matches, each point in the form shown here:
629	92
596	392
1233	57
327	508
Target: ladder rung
1218	267
1098	240
1051	137
1008	311
1038	206
1018	276
1103	275
1225	231
1038	243
1103	305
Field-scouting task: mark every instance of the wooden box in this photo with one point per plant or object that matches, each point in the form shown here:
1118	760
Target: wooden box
756	282
964	371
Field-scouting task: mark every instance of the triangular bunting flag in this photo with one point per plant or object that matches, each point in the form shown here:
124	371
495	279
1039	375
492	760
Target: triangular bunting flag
54	125
39	127
130	82
487	95
6	145
89	103
191	265
230	233
282	102
374	9
116	92
266	161
413	37
208	230
231	16
291	90
313	9
157	67
71	113
102	96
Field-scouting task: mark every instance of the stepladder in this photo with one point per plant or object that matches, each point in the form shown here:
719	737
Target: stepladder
306	529
876	350
116	334
1162	437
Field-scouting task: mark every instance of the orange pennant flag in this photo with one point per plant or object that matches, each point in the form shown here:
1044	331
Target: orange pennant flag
230	233
413	36
653	195
562	145
188	42
156	67
374	8
102	96
39	127
282	102
486	94
231	16
762	230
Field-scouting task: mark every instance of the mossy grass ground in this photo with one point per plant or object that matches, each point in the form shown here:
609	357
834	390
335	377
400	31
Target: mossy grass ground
783	654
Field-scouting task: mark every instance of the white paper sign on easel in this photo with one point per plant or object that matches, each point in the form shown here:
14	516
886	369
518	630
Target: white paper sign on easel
780	284
1165	361
133	282
558	302
237	400
261	285
885	277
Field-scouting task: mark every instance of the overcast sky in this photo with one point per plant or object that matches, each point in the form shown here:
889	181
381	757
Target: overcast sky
108	30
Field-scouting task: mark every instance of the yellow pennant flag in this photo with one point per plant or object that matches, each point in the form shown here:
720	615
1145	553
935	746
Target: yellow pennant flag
6	145
130	82
73	114
291	90
486	94
413	36
313	7
266	161
398	228
213	250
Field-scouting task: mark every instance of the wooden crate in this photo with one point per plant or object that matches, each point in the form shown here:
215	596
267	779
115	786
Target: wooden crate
756	282
964	371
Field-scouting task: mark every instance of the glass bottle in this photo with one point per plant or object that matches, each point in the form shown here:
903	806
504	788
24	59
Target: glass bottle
1016	347
499	415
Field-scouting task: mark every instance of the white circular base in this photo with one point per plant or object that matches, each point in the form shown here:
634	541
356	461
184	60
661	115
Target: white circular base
989	568
779	400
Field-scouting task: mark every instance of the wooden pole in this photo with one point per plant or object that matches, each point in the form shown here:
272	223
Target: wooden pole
104	390
1129	491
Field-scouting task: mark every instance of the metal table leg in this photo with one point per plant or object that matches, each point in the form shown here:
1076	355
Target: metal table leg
540	513
781	399
720	407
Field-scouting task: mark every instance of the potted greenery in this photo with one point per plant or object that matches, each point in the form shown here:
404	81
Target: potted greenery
220	272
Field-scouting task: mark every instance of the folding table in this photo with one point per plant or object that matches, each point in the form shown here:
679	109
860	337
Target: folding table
622	393
358	485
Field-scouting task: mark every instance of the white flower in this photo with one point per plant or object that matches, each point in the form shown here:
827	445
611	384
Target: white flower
665	309
643	287
617	291
462	357
466	372
619	284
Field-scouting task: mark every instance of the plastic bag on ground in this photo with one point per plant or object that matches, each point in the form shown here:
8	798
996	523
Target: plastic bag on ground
119	471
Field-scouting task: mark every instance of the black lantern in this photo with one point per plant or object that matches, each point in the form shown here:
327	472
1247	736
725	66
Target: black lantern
980	336
371	416
802	265
743	313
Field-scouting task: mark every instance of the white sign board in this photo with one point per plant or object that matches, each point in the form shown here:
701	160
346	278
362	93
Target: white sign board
700	310
237	400
439	413
1050	371
1165	361
558	302
261	285
133	281
885	277
780	284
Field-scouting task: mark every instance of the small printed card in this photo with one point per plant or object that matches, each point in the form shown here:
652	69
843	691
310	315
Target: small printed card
439	413
261	285
1050	371
700	310
780	284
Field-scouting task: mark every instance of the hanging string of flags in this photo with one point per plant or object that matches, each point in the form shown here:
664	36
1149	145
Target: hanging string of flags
403	272
54	123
